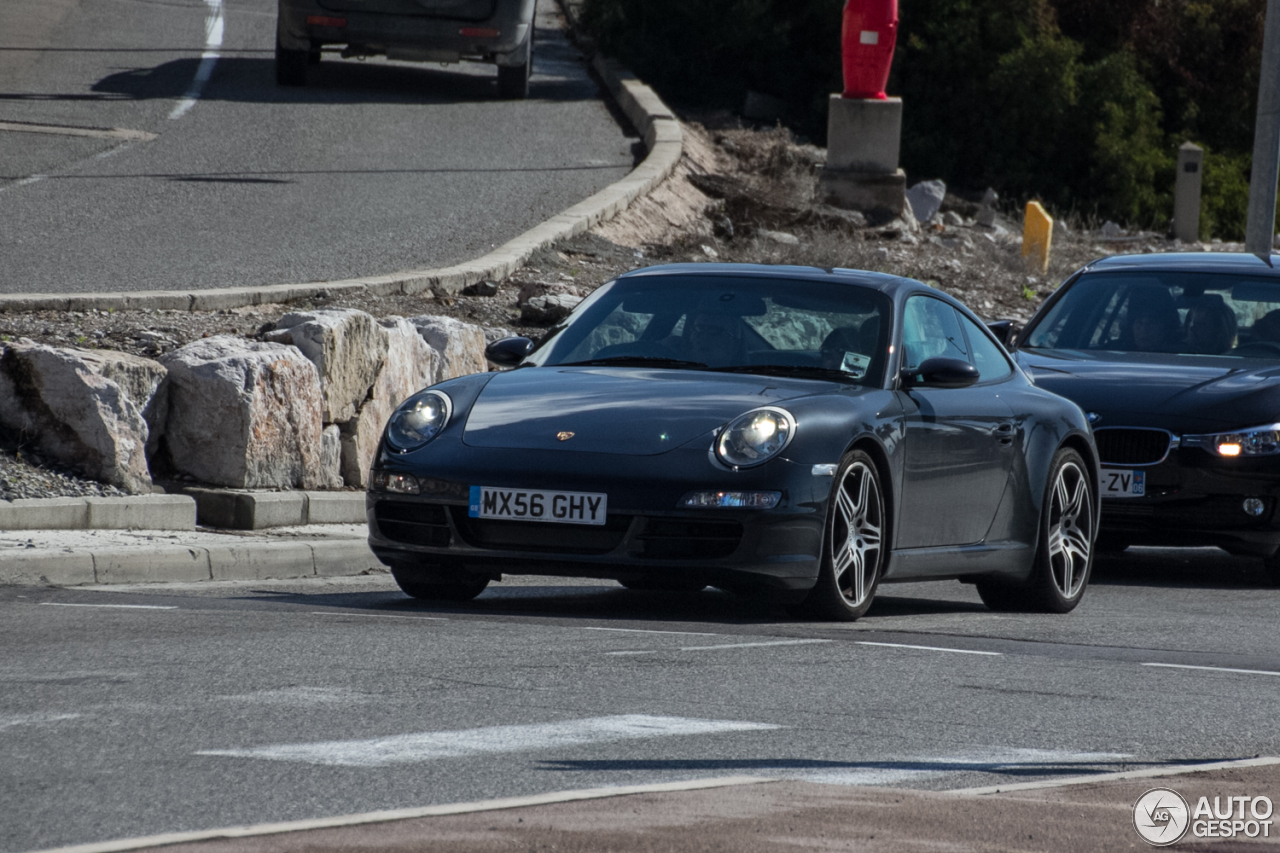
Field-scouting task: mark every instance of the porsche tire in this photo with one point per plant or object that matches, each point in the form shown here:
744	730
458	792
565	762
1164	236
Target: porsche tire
853	548
1064	557
461	588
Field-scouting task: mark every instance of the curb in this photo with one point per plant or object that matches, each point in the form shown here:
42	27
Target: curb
233	509
139	512
405	814
190	563
645	110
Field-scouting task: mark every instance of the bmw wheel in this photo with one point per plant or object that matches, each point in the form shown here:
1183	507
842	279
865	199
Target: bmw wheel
853	543
428	585
1064	558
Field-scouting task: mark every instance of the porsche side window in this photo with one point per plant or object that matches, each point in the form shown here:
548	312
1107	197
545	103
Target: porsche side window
930	328
986	354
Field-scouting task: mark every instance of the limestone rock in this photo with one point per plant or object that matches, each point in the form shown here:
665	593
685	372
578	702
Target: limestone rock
780	237
551	308
245	414
459	345
496	334
330	476
347	348
926	199
92	410
411	365
527	290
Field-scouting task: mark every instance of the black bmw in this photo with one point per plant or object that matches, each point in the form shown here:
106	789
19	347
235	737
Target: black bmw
1176	360
799	433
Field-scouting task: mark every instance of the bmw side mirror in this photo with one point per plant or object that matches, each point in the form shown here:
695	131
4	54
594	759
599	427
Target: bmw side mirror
940	372
508	352
1003	330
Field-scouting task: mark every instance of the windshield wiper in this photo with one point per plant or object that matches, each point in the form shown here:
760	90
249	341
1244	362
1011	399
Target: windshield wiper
641	360
801	370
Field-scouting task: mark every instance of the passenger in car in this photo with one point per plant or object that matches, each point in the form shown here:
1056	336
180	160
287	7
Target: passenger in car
1211	326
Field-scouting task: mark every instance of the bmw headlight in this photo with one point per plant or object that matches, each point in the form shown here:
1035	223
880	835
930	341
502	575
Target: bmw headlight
418	420
1255	441
756	437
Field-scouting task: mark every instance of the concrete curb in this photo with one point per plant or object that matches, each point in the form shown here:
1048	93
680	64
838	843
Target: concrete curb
235	509
646	111
139	512
189	563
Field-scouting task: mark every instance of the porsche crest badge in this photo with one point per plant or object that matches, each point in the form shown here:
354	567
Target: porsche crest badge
564	435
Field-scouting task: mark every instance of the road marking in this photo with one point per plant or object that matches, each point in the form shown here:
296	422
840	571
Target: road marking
1147	773
928	648
34	719
214	24
259	829
66	130
428	746
115	606
995	760
647	631
754	645
378	615
650	652
1213	668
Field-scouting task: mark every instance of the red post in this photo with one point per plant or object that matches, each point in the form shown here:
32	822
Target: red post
869	34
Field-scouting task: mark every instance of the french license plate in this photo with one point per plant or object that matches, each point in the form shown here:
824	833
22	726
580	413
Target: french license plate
1118	483
536	505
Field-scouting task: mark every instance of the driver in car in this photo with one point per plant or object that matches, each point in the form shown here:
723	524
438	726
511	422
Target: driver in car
714	339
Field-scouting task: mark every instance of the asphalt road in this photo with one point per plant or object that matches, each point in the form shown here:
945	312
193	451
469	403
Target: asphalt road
374	168
143	710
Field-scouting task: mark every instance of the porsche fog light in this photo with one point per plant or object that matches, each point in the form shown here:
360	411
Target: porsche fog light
755	437
390	481
418	420
1254	506
730	500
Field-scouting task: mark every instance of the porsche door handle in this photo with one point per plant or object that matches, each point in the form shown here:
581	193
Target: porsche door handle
1004	433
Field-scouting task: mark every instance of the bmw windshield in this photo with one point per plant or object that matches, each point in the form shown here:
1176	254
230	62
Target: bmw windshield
1185	313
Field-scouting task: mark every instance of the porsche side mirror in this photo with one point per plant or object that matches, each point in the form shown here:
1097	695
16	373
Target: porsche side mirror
940	372
508	352
1003	330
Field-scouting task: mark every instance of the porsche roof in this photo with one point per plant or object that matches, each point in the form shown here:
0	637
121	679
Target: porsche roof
1210	262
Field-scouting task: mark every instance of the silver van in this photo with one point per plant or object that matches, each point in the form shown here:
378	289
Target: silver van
497	31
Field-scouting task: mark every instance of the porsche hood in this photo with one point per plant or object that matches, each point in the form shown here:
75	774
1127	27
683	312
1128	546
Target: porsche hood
628	411
1177	393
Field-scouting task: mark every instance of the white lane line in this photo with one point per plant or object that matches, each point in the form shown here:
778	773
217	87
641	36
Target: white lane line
1212	668
1146	773
260	829
647	631
67	130
754	645
428	746
34	719
380	616
650	652
214	24
30	179
113	606
928	648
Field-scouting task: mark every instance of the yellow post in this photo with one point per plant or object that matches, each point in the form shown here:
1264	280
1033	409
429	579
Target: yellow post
1037	237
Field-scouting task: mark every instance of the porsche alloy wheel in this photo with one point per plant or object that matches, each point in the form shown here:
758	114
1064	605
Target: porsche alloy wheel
1064	558
854	548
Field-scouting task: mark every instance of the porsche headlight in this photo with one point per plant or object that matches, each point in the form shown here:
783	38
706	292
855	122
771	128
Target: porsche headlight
418	420
1255	441
756	437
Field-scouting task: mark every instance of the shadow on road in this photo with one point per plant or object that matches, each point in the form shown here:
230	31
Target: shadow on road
1206	568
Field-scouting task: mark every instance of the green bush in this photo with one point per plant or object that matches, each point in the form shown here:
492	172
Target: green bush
1081	103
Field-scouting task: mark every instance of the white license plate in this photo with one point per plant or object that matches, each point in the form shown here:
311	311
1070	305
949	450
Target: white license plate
537	505
1117	483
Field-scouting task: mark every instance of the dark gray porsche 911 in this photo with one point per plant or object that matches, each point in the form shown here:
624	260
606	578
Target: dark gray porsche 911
798	433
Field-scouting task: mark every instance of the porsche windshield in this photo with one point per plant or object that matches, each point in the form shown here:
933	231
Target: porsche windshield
1188	313
750	325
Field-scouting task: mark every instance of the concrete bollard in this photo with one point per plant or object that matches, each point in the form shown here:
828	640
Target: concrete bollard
1186	193
1037	237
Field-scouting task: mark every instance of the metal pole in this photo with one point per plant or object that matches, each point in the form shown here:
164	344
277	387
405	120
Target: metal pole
1266	142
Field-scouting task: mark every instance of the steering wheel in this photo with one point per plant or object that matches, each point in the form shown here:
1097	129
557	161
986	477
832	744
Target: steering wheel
1267	348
